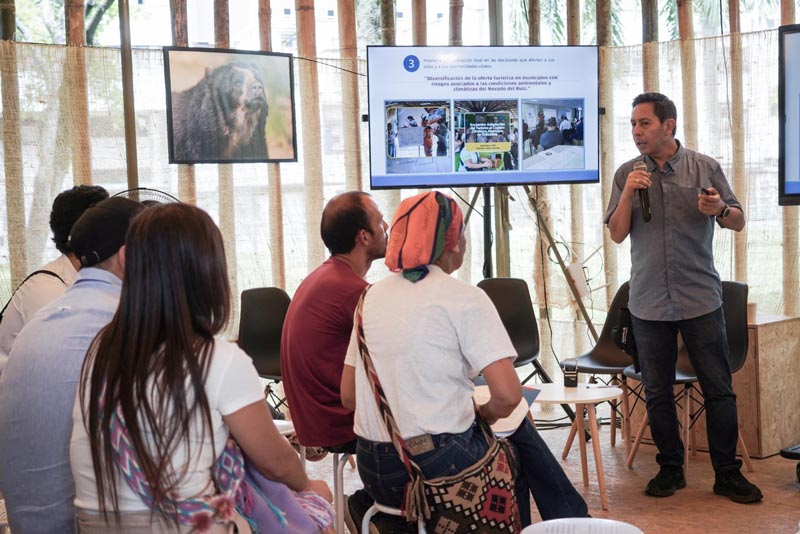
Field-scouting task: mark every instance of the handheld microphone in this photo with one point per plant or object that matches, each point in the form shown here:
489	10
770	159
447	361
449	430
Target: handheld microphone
644	194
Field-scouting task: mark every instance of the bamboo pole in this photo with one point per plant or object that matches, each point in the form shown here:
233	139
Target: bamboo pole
12	147
79	94
542	273
688	74
502	261
187	184
456	22
576	190
274	182
737	135
227	210
791	271
129	110
391	197
350	99
455	39
419	24
606	73
312	159
650	45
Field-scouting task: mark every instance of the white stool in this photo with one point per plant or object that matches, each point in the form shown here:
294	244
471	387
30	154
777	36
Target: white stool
582	525
375	508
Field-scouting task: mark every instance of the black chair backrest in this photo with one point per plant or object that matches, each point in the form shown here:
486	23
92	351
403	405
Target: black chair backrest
260	325
513	302
606	350
734	307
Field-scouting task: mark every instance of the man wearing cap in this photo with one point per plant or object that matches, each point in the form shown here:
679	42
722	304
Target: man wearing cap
37	387
47	283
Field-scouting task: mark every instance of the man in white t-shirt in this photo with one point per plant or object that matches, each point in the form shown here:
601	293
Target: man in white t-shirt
41	288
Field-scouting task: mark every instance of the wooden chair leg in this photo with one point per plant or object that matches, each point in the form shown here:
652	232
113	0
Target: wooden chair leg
745	454
570	439
352	461
635	447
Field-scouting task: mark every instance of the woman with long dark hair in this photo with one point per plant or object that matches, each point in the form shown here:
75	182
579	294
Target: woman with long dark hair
159	392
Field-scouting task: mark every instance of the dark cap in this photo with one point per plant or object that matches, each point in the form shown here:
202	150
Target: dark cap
101	230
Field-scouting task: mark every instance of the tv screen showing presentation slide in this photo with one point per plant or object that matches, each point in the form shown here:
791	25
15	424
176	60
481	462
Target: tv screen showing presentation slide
789	115
482	115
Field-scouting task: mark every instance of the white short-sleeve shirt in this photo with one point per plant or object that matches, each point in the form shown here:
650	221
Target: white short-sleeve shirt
232	384
427	341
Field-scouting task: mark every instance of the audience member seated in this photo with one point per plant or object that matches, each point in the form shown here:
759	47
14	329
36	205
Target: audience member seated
48	282
37	388
552	137
429	335
161	390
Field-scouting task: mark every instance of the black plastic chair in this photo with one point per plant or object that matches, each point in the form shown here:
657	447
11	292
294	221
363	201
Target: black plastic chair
606	358
512	300
734	308
263	311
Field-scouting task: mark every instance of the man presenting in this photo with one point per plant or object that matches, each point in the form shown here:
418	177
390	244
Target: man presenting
37	387
674	288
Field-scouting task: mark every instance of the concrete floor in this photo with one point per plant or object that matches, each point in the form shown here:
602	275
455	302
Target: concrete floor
694	509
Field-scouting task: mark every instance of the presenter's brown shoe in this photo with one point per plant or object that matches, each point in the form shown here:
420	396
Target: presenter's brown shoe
733	485
668	480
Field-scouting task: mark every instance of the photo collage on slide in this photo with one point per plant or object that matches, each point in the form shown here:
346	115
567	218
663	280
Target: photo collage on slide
483	135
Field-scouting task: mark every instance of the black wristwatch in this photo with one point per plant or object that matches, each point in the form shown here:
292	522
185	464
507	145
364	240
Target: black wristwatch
725	211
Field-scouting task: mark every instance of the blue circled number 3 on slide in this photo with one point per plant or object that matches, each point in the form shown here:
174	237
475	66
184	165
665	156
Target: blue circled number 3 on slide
411	63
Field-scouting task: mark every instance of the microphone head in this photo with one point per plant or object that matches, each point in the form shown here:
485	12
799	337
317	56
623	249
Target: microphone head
640	166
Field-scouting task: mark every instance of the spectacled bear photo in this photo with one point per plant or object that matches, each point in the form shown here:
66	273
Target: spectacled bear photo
223	116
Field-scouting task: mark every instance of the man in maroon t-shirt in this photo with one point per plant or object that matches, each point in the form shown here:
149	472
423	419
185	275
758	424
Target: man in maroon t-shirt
319	322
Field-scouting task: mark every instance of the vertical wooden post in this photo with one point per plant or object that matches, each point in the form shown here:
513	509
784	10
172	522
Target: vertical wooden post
76	76
456	22
392	197
607	167
275	185
351	116
650	45
688	74
455	39
187	184
227	210
419	25
534	21
312	141
576	190
12	147
791	274
129	109
737	135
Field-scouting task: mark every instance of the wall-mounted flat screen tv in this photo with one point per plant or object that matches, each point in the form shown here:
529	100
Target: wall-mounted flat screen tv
482	115
229	106
789	115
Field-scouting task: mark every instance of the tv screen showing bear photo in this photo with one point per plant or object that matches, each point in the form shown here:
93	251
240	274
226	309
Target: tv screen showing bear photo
229	106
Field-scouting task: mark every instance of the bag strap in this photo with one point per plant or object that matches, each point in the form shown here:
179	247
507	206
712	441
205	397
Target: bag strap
34	273
415	499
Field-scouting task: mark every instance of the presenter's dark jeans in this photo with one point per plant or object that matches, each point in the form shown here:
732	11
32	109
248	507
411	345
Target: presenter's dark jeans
540	474
707	345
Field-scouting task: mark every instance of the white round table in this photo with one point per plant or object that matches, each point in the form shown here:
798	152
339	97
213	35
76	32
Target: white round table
584	396
581	525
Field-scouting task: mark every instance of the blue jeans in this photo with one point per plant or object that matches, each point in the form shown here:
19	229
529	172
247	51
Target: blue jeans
385	477
707	345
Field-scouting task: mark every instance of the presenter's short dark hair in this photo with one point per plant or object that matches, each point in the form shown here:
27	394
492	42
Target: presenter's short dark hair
343	217
67	208
663	107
